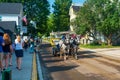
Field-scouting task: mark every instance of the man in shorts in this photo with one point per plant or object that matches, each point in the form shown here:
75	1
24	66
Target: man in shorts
1	52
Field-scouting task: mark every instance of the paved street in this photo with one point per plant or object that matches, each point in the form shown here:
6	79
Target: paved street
111	52
91	65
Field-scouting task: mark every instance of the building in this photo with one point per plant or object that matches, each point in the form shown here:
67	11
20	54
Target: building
72	12
11	12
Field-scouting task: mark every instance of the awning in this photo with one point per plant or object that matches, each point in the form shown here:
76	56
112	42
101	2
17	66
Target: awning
8	26
1	31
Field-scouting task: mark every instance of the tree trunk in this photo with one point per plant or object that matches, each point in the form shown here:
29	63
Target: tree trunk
109	42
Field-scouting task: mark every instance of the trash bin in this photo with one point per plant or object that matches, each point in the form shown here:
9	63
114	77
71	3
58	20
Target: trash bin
7	74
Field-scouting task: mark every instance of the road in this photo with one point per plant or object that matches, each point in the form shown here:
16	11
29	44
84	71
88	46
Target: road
89	66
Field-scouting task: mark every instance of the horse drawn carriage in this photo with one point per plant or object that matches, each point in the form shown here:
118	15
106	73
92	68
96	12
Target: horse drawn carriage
66	46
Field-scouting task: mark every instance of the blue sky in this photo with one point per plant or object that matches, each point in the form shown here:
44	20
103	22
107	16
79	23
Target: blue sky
79	2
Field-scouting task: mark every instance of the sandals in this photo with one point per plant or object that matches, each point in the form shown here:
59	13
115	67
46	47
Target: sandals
10	64
18	68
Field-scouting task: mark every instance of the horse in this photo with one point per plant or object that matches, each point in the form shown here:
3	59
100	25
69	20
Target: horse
75	42
69	47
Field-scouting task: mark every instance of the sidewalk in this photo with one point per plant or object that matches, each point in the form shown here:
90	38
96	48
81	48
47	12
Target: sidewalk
25	73
111	52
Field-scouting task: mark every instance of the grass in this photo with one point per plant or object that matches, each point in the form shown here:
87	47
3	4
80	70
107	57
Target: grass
97	46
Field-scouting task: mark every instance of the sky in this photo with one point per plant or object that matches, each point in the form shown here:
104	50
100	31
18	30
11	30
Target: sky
77	2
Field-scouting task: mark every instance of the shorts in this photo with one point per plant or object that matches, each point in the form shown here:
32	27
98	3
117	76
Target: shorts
19	53
1	56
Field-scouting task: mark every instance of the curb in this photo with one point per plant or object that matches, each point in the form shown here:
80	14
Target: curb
39	69
34	68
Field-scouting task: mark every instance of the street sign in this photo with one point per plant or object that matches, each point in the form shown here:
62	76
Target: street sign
24	29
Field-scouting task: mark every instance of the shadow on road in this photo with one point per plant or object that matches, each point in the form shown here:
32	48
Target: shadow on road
61	68
87	54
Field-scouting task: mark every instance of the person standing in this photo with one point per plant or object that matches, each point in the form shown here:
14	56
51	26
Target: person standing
31	45
25	44
19	51
1	52
11	52
6	49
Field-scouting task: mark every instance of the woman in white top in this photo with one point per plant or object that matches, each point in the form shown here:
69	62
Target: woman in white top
19	51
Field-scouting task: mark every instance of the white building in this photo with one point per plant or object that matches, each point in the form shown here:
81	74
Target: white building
72	12
12	12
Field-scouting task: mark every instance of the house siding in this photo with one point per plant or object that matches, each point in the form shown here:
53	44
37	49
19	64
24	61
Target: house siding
10	18
14	17
12	14
72	16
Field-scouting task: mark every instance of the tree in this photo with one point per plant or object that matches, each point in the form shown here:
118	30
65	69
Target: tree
61	14
50	24
37	11
86	20
109	24
100	16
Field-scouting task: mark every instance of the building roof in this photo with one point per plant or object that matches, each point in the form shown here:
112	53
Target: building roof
76	8
8	26
10	8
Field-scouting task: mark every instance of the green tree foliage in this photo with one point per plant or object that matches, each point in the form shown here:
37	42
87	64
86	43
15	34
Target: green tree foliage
38	11
61	15
50	24
86	20
100	16
110	23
